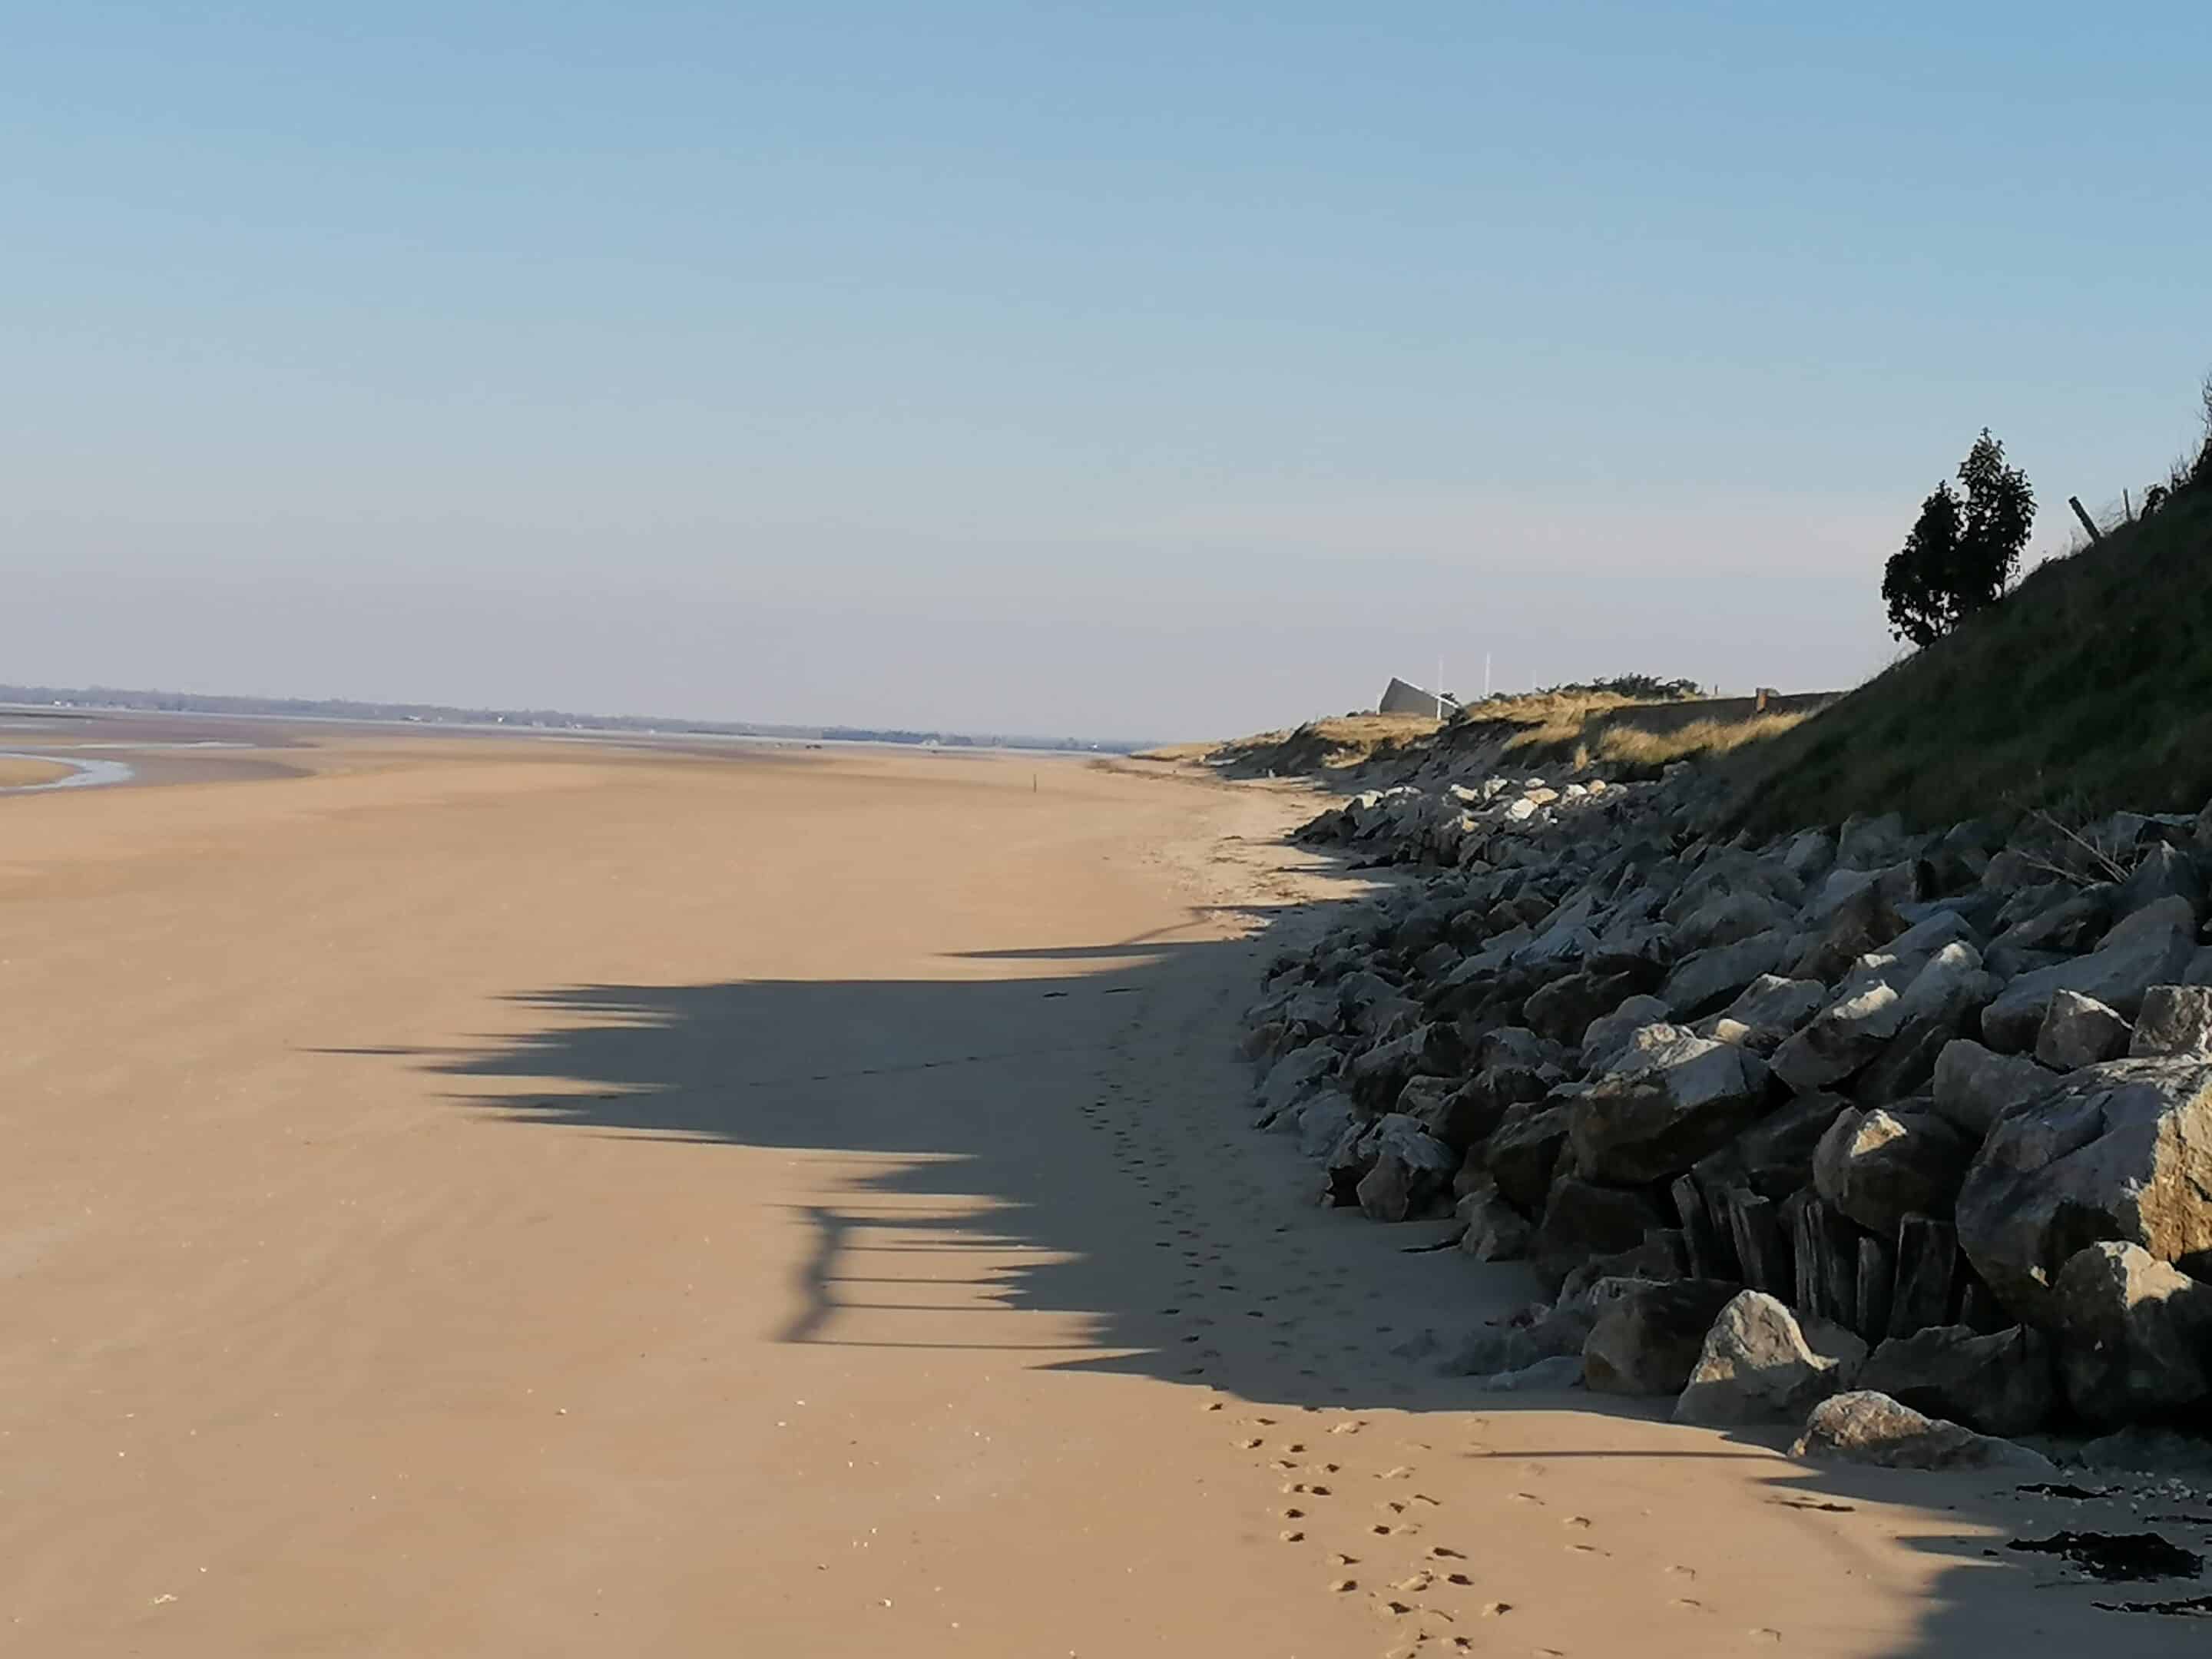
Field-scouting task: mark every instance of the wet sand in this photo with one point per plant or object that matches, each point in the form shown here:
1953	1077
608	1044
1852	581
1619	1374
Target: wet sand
471	1197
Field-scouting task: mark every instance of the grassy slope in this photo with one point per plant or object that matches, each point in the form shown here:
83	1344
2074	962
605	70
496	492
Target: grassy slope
2088	688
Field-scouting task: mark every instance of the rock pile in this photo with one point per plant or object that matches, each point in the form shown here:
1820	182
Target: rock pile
1927	1116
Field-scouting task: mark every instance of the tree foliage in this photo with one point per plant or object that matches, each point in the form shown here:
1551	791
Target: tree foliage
1964	549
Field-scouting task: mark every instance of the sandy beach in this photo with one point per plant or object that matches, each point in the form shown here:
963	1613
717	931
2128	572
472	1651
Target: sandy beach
488	1197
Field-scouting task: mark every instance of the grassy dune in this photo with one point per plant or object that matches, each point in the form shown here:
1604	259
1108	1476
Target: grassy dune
2088	688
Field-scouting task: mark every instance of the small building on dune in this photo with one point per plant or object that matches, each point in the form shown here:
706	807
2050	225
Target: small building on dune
1400	698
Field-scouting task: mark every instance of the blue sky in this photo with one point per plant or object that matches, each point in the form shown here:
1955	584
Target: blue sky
1195	369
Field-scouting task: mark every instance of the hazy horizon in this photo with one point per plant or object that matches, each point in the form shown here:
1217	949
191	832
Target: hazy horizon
1117	374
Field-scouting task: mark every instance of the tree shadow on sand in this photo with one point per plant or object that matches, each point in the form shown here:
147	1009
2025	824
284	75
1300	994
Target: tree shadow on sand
1086	1134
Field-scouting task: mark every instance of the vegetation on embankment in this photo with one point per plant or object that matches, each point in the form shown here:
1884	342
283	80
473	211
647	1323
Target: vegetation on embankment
1574	728
2086	689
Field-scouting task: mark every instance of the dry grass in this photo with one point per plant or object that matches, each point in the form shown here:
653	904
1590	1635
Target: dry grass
1319	746
1699	738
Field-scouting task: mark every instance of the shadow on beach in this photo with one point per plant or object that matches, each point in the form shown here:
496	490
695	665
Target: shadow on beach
1102	1120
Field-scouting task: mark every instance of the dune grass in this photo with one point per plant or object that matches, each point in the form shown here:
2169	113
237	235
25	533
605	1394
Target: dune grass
2087	688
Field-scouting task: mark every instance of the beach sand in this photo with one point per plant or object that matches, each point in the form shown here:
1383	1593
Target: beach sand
484	1197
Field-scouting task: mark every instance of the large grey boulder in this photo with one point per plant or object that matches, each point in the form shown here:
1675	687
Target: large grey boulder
1878	1166
2120	1152
2001	1384
1774	1156
1606	1038
1412	1171
1649	1343
1525	1152
1563	1010
2175	1024
1323	1122
1867	1427
1974	1087
1706	981
1885	996
1728	918
1771	1010
2135	1335
1496	1231
1688	1097
1758	1366
1470	1113
2164	872
1582	1219
1856	912
2078	1031
1870	843
1436	1049
2151	947
1296	1075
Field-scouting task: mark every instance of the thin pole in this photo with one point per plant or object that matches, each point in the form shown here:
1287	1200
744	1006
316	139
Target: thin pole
1440	690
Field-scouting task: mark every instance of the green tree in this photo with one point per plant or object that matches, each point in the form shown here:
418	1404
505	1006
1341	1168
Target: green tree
1964	549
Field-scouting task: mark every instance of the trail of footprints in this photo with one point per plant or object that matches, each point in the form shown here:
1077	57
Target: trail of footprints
1365	1520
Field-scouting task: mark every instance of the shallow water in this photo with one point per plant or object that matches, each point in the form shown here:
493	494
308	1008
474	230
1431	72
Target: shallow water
89	774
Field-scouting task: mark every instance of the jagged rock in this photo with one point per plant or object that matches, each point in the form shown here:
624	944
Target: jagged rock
2135	1335
1582	1219
1687	1097
2151	947
1436	1049
1878	1166
1844	1036
1810	854
1864	1426
1517	1045
2176	1023
1563	1009
2055	917
1649	1343
1890	994
1869	843
2120	1152
1857	912
1322	1122
2001	1383
1774	1156
1728	918
1975	1087
2164	872
1469	1113
1769	1013
1412	1169
1348	1160
1757	1364
1608	1037
1702	982
1424	1097
1542	1332
1553	1375
1496	1231
1661	1259
2078	1031
1525	1151
1904	1069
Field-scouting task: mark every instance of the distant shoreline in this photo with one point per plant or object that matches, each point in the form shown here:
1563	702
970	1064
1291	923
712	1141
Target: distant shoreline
85	699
